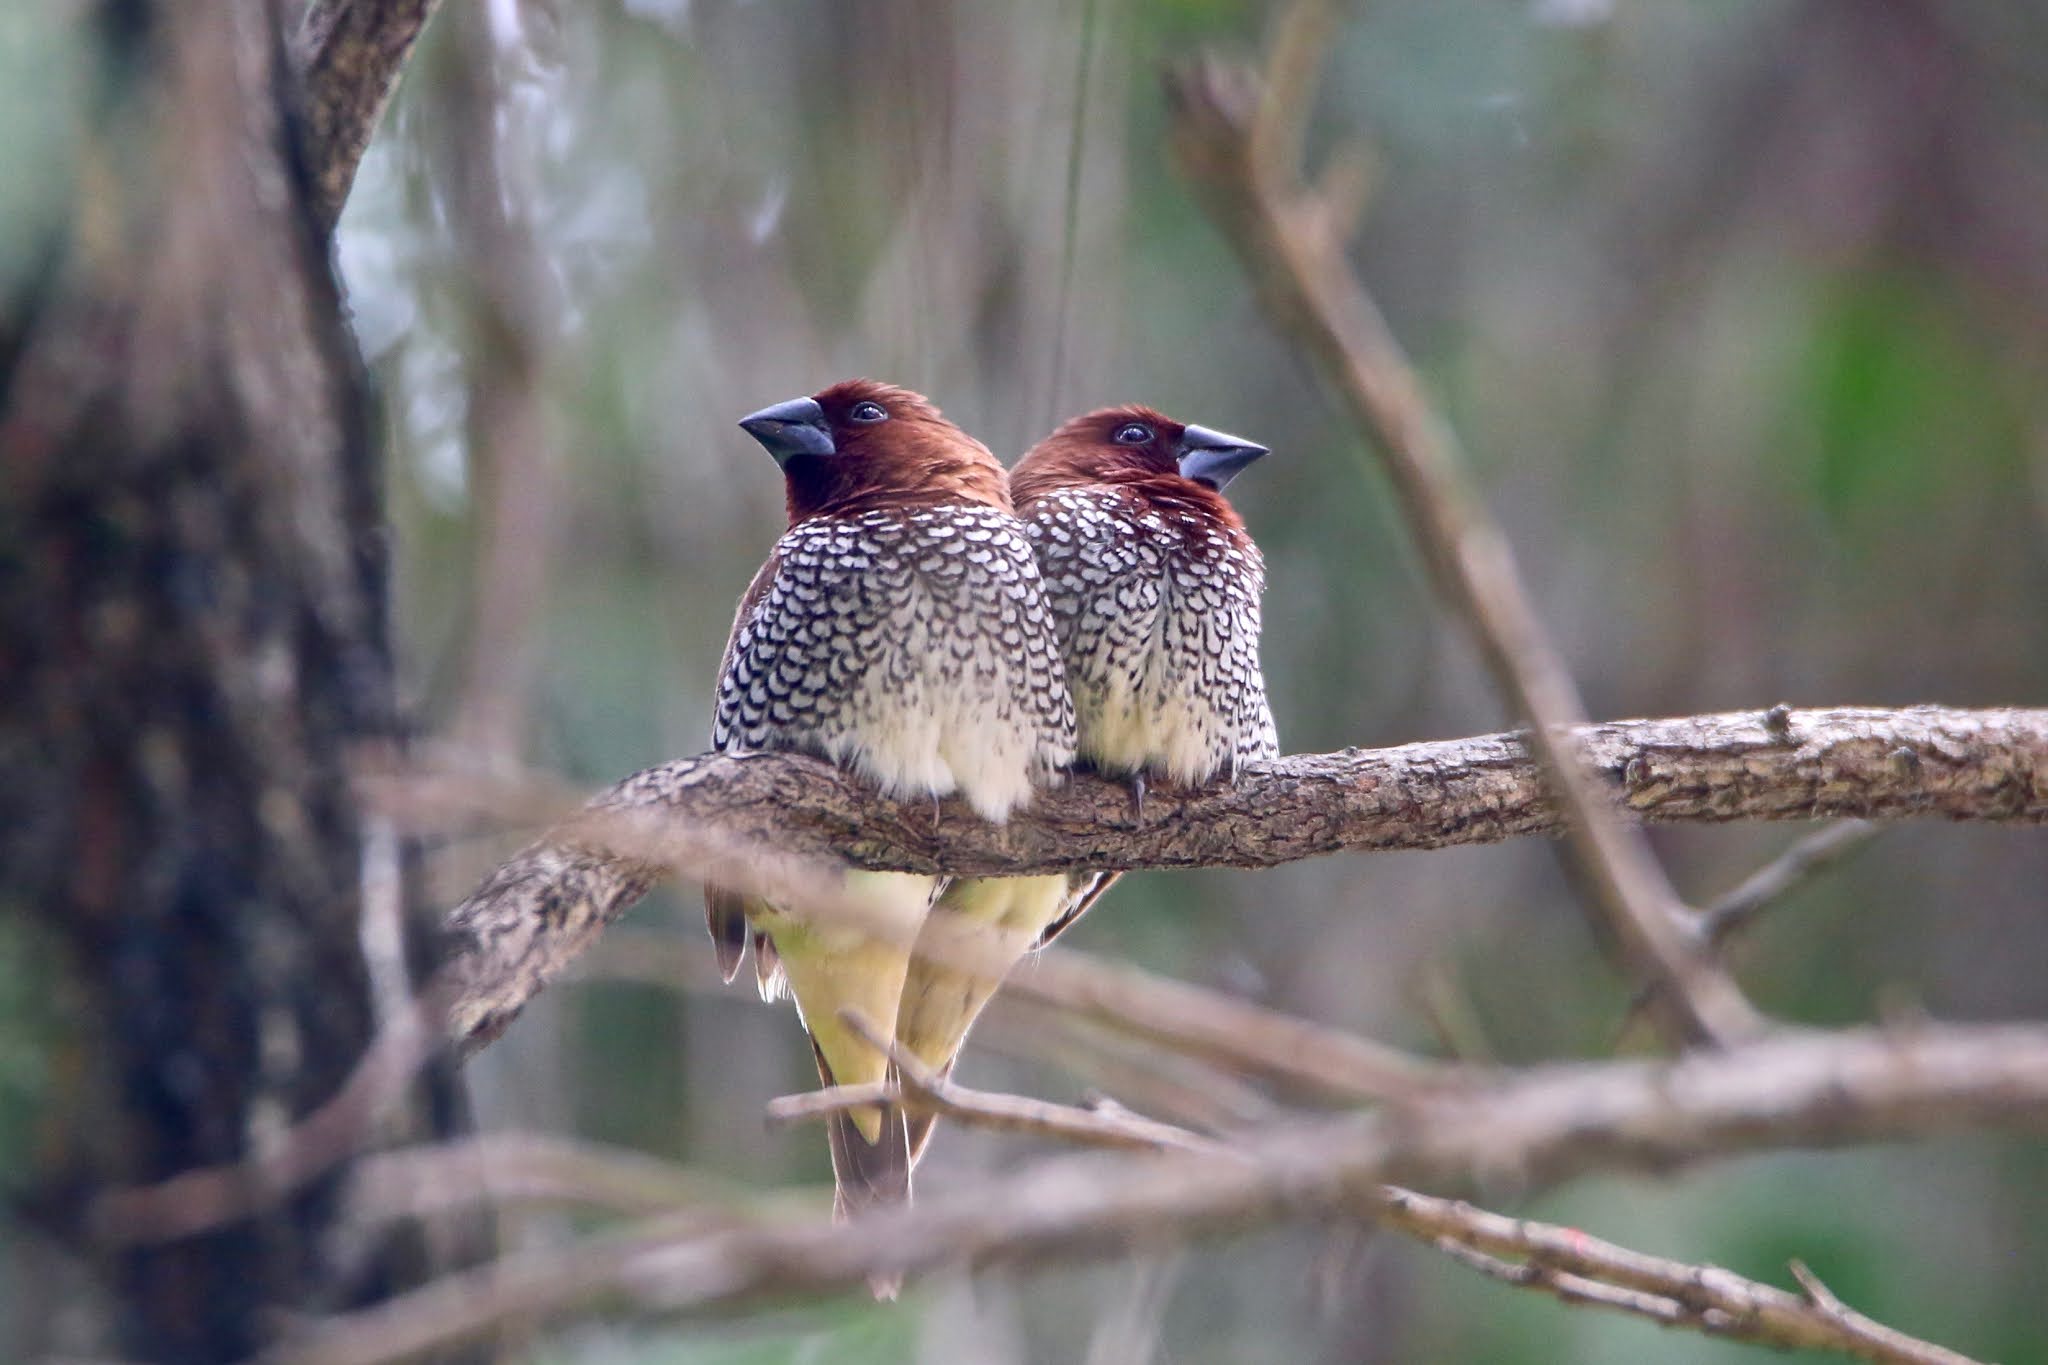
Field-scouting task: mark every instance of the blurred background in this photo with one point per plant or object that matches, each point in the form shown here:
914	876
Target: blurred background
1740	309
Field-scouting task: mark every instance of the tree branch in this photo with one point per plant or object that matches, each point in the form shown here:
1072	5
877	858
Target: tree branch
1781	876
1224	1033
765	821
1563	1262
349	54
1576	1268
920	1090
1716	923
1224	1030
524	1169
1237	140
1545	1125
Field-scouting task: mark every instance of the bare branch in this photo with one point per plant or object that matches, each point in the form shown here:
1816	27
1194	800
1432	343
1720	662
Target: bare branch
920	1090
1577	1289
1064	986
1782	875
524	1168
207	1197
349	54
1223	122
1892	1344
1225	1030
1581	1269
1778	878
769	820
1541	1127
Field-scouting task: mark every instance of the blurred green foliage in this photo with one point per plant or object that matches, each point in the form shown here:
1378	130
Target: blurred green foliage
1892	374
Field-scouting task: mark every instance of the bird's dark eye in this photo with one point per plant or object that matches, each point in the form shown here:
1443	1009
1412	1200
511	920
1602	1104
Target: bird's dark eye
1133	434
869	412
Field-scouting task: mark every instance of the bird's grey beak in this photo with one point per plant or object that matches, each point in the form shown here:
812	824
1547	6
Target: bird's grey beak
794	428
1215	457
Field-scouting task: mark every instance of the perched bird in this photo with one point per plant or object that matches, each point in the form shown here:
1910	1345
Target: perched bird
1154	585
898	629
1154	588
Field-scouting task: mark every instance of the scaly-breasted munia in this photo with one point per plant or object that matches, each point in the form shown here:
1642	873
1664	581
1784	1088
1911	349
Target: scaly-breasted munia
898	629
1154	585
1155	590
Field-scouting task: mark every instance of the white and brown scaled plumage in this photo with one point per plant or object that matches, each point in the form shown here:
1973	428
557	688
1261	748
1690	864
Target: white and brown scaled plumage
1155	586
898	629
909	643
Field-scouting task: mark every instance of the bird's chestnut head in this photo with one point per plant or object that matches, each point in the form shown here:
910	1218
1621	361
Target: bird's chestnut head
1139	448
861	444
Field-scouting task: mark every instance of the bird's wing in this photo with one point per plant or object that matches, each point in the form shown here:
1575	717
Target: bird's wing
1083	890
725	912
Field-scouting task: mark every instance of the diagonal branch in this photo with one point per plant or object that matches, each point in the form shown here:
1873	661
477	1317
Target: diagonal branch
1221	1032
1716	923
1560	1261
1543	1126
919	1089
1878	1341
759	818
349	54
1781	876
1225	1030
1289	243
1563	1262
1576	1268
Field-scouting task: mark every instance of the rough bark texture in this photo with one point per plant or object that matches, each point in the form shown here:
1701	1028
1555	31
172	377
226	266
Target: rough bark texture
758	815
192	649
350	53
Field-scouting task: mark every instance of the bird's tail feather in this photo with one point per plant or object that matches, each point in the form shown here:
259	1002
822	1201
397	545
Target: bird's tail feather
725	915
867	1175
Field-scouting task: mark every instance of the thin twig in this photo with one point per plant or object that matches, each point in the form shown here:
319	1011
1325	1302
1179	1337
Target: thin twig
1118	1131
1770	883
1137	1051
526	1168
1582	1269
918	1088
1222	119
1225	1030
1781	876
208	1197
1577	1289
1185	1089
1074	991
1898	1345
349	54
